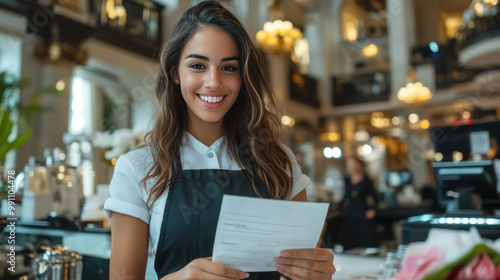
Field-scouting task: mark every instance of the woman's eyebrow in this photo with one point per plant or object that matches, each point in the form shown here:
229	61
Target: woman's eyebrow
229	58
206	58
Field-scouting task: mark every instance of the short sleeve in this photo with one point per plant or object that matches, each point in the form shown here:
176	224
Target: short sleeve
126	195
300	181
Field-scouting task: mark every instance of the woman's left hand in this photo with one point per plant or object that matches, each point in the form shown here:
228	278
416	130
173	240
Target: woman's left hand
306	264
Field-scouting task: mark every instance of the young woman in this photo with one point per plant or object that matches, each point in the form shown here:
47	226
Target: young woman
214	135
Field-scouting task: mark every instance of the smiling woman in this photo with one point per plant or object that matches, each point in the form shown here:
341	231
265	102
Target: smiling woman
210	79
214	135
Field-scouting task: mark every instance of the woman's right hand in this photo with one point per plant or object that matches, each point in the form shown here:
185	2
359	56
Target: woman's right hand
204	268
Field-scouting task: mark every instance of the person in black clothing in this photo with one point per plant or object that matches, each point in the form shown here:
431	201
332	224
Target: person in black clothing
359	207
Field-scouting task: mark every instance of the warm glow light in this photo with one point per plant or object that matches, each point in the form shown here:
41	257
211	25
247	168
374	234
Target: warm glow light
288	121
352	34
457	156
301	55
413	118
60	85
466	115
414	93
333	136
379	121
278	36
396	120
438	157
452	24
370	50
424	124
479	9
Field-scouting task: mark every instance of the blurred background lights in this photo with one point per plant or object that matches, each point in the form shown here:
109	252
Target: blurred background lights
288	121
327	152
336	152
434	47
457	156
413	118
370	50
396	120
361	136
60	85
438	157
364	150
424	124
333	136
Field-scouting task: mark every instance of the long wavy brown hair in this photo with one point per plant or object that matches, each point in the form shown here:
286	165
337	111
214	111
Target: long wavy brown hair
251	126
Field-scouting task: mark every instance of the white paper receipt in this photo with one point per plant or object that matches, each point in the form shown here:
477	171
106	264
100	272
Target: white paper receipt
251	232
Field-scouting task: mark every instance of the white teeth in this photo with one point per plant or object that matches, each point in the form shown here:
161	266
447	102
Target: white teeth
211	99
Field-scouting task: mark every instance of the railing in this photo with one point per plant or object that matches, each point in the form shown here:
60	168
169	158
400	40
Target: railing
134	25
480	21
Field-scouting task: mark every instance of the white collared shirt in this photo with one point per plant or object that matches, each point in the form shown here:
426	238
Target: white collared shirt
128	197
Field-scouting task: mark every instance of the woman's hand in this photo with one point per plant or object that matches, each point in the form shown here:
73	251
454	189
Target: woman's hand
204	268
306	264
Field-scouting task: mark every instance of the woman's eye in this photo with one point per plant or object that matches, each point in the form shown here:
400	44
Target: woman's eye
196	66
229	68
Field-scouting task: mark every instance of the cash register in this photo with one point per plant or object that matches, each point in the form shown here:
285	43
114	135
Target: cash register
469	192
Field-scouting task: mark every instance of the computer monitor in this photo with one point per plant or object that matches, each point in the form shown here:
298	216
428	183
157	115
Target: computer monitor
467	185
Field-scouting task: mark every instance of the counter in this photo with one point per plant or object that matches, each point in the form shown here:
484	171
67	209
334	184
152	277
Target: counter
95	247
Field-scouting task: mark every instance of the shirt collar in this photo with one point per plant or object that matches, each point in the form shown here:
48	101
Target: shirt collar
190	140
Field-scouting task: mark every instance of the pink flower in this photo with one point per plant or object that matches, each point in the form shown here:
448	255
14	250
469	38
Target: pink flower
480	268
418	265
497	274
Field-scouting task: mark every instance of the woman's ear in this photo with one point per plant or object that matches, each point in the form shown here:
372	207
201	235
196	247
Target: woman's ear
175	76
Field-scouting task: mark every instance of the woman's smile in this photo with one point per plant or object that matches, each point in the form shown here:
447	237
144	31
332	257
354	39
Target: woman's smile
211	101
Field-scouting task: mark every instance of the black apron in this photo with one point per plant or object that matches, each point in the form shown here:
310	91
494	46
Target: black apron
191	214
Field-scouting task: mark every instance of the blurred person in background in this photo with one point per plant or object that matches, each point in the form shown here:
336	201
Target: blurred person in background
358	207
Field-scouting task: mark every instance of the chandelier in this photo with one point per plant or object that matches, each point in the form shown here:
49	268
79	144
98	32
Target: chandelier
278	37
414	93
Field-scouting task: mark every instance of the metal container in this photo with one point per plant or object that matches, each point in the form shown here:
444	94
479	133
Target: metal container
57	263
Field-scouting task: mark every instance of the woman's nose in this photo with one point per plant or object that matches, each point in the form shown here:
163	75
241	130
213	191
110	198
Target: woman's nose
213	78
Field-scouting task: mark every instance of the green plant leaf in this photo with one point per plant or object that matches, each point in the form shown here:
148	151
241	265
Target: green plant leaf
21	139
18	142
5	126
